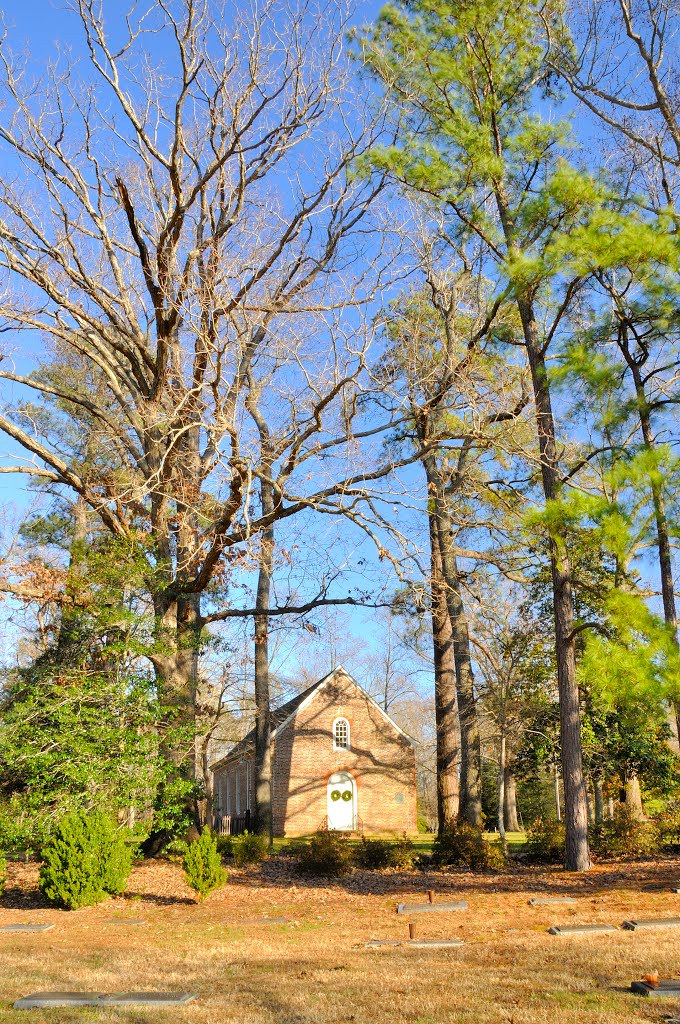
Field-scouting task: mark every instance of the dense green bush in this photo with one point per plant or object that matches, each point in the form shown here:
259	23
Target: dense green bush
667	828
545	840
462	845
248	848
326	853
225	845
3	874
84	860
294	848
624	835
203	865
423	825
385	853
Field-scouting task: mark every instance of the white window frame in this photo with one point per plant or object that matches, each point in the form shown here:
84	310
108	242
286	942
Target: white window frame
336	723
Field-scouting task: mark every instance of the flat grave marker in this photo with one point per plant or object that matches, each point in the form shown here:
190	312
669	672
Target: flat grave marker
581	929
669	989
26	928
435	943
540	901
416	943
656	922
44	1000
431	908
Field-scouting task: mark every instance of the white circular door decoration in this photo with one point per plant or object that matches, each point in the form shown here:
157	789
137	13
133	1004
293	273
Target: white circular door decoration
342	802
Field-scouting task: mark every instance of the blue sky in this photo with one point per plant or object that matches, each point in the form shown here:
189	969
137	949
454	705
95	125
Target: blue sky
39	28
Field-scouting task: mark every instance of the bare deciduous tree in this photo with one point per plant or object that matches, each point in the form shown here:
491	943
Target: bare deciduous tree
179	215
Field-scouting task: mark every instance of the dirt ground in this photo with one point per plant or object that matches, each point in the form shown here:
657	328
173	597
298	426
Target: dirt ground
316	968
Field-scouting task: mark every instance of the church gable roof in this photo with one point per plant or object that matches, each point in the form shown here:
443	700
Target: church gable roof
285	713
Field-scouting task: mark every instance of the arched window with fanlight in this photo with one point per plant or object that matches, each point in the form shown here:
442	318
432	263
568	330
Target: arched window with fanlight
340	734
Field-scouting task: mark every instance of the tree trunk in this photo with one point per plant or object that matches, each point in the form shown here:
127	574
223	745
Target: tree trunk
178	625
470	807
661	521
264	823
502	792
445	696
577	855
633	797
510	816
556	781
599	800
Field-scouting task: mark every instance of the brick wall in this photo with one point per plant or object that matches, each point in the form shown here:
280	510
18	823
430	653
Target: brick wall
381	761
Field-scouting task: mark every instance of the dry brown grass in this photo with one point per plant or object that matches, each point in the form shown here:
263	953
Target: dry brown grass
316	970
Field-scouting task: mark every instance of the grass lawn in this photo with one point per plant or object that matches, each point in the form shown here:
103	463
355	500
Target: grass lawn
316	969
423	841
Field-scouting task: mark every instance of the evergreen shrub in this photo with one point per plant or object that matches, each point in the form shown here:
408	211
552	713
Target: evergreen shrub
84	860
225	845
3	874
546	841
624	835
461	844
248	848
385	853
203	865
667	827
326	853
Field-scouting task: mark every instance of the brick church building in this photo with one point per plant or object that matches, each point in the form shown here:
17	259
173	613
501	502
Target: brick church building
338	762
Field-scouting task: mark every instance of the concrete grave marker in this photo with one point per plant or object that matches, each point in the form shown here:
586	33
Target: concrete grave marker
416	943
431	908
539	901
26	928
581	929
435	943
657	922
670	989
44	1000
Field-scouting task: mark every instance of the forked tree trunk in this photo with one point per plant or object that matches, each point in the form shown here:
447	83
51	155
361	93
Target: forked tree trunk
510	817
470	807
445	696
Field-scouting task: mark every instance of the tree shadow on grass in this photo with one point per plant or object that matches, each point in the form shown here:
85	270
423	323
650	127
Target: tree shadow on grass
18	898
652	876
160	901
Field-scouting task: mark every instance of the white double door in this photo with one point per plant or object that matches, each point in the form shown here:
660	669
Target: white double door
342	802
